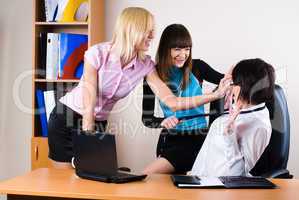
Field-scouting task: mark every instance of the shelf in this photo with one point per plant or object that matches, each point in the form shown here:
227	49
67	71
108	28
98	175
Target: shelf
57	81
40	137
61	24
94	29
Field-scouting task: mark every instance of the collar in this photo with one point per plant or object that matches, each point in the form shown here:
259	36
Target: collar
116	58
174	69
254	107
251	109
176	74
131	64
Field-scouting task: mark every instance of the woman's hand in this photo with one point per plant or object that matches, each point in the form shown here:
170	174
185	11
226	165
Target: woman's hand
233	113
228	100
170	122
223	87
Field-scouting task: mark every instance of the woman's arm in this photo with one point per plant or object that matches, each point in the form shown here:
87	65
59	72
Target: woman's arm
182	103
148	108
89	96
203	71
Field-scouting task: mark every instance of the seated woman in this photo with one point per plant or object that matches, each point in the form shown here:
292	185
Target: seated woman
236	140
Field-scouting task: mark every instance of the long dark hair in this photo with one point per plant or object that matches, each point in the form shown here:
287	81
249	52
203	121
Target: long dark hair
173	36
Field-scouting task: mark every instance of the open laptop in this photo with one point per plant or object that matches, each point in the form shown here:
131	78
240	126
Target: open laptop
95	158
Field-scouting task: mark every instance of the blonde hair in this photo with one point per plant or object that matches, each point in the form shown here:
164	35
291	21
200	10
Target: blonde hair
130	28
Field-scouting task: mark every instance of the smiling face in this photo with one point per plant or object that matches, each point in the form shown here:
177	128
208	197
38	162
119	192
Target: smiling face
175	49
133	33
179	56
145	43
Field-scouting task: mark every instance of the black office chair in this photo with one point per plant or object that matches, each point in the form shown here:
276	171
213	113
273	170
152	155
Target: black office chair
273	162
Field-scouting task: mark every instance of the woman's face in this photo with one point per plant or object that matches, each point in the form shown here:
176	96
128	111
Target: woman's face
179	56
145	43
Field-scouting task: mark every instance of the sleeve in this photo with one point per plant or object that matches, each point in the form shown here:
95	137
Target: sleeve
150	65
254	146
203	71
93	56
148	108
233	154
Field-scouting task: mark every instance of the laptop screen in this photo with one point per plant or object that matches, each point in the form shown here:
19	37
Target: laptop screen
95	153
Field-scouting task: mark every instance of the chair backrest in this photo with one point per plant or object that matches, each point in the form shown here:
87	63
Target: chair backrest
276	154
216	107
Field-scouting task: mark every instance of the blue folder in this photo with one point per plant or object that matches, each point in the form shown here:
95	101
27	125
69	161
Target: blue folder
42	112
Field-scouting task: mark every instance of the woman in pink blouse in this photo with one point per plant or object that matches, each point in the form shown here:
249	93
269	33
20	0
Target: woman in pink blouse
111	71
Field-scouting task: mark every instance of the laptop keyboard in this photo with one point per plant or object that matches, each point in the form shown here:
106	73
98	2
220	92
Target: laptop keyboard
242	181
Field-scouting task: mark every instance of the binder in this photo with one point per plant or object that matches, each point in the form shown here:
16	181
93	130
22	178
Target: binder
60	8
43	54
52	61
51	7
42	112
50	103
74	10
71	55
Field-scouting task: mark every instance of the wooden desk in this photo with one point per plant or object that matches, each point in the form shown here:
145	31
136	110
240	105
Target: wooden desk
58	184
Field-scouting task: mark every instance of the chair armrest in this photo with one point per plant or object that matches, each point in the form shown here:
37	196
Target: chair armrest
281	173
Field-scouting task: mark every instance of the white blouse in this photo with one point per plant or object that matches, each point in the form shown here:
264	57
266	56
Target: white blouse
237	153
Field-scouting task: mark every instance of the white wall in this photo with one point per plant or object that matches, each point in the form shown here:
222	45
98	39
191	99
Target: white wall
15	58
223	32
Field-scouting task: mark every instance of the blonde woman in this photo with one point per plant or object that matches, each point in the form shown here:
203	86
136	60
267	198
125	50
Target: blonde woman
111	71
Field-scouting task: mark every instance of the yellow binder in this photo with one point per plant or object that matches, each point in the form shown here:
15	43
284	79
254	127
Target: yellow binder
75	10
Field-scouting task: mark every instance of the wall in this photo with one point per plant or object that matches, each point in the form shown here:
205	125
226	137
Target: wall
15	59
224	32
